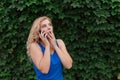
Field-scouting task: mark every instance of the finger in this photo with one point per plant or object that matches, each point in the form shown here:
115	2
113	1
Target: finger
41	33
45	35
49	36
41	36
52	33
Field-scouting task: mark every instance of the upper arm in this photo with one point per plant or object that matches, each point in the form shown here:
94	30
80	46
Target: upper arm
36	54
62	46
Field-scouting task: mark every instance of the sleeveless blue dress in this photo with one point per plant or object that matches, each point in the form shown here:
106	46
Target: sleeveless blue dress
56	68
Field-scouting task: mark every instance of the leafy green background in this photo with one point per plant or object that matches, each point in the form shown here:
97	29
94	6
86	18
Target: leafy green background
89	28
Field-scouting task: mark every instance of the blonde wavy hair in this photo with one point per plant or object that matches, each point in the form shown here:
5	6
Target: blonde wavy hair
34	32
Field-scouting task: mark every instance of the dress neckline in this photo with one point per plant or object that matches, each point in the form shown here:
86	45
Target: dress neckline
44	48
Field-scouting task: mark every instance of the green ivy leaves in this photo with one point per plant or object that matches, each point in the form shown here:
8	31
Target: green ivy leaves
90	30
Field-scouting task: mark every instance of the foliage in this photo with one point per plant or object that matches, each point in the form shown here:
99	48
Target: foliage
90	30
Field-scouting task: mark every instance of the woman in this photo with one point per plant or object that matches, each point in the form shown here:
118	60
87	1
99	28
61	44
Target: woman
47	53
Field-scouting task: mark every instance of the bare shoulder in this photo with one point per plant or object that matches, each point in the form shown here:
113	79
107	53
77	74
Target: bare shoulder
35	51
34	46
60	42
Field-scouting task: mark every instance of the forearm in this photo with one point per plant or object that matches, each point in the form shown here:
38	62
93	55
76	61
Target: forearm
45	61
65	59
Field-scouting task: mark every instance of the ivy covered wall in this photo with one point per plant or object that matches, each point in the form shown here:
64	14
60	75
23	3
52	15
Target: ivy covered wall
89	28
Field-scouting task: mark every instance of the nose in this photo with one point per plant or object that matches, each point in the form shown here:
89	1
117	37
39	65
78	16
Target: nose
48	28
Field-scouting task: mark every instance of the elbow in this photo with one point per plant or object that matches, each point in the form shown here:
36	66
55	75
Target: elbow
69	66
44	71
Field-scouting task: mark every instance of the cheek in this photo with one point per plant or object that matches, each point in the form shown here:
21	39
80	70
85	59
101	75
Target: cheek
51	28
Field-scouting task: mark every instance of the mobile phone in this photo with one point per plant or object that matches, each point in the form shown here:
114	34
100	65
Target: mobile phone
40	31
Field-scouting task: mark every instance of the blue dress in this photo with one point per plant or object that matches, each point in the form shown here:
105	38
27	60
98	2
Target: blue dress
56	68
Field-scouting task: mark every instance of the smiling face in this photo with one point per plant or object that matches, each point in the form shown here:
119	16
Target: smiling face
46	26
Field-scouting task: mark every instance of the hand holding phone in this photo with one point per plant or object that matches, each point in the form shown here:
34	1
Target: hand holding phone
43	33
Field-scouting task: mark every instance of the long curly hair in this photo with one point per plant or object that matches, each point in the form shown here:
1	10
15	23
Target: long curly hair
34	32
